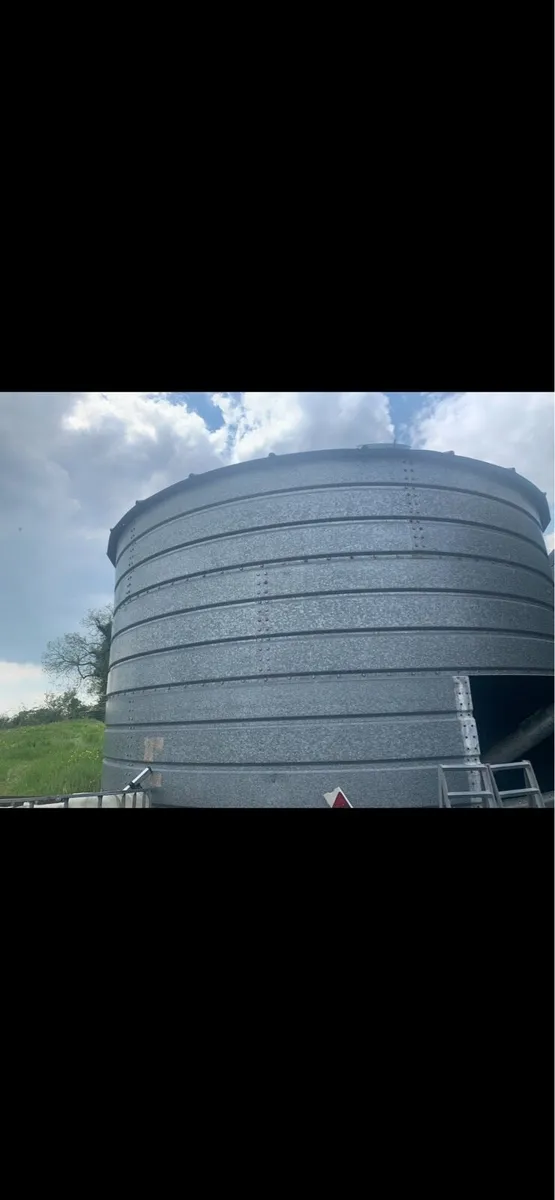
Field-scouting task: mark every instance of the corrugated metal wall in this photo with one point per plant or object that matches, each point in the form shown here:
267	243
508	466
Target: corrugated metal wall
294	624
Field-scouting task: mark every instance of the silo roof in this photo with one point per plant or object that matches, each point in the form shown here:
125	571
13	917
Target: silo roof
507	475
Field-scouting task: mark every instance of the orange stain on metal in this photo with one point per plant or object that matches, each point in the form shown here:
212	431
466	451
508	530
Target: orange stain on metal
152	746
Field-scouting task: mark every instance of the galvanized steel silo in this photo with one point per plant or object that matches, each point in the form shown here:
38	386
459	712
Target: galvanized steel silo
289	625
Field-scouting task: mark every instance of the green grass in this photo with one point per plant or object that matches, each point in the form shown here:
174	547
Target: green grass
39	760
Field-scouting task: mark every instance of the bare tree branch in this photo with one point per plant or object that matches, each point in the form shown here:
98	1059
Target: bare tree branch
83	658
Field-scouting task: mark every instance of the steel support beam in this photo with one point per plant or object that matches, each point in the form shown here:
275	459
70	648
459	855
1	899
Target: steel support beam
532	731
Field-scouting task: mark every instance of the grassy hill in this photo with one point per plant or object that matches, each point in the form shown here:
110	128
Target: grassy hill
62	757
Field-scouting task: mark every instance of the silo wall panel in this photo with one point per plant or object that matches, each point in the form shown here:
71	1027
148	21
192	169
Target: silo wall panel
300	624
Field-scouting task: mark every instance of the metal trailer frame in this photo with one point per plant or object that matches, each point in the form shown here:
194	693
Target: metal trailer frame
131	796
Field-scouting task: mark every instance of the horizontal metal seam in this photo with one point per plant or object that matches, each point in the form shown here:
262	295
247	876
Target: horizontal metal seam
328	633
269	766
328	487
293	676
316	595
338	556
317	522
417	715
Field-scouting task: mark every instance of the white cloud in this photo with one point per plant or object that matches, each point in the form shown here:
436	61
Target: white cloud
549	541
257	423
149	443
22	684
512	429
136	415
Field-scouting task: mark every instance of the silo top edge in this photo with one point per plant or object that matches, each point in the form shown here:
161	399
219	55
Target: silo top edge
491	470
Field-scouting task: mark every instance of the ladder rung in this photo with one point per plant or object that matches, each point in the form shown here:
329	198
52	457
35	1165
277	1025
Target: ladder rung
470	804
452	795
521	792
509	766
467	766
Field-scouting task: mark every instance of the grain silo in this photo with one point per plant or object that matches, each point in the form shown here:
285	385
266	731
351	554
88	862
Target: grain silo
290	625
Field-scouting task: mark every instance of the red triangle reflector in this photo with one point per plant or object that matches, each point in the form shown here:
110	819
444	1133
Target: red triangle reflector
337	799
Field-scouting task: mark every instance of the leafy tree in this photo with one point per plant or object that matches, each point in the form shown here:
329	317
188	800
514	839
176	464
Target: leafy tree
83	658
66	706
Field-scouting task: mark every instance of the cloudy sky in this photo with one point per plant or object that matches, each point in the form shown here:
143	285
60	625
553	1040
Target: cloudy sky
73	462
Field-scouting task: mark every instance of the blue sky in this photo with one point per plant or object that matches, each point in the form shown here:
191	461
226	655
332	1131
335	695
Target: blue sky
201	403
404	406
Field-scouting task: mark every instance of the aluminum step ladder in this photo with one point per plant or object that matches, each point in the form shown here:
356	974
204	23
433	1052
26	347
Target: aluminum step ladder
489	795
525	797
484	797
